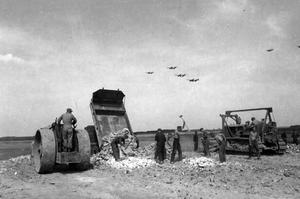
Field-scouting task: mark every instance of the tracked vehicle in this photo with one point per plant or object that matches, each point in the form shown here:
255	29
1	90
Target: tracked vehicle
237	134
109	115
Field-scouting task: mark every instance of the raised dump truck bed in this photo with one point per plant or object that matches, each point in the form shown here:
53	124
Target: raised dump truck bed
109	114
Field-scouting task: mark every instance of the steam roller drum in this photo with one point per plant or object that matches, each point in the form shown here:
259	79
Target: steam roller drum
43	151
84	148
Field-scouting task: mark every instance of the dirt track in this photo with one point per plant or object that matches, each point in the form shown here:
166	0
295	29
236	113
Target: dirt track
271	177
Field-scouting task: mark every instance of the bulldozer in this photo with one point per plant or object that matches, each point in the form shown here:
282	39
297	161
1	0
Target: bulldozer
108	114
237	134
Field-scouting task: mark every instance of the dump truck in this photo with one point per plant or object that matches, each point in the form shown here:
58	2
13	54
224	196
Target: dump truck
108	114
237	134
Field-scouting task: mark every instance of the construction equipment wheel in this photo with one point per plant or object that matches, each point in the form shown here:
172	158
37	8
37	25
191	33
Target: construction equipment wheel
43	151
84	148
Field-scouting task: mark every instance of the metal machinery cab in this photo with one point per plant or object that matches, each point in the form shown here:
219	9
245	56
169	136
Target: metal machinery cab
237	134
47	150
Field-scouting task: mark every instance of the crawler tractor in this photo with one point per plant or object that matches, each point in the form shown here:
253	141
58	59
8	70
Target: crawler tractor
237	134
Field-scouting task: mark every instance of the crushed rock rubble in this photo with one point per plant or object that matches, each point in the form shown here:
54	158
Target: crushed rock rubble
293	148
131	163
20	159
200	162
140	158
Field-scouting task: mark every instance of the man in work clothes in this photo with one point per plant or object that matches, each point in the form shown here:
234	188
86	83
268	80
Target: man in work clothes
176	146
67	132
195	139
114	145
257	126
221	140
160	146
253	142
205	143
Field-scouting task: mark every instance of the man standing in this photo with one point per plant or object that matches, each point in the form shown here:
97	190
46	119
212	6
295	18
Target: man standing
176	146
195	139
257	126
160	146
205	143
253	142
221	140
295	137
67	132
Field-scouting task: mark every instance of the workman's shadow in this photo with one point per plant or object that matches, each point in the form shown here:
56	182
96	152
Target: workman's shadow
265	153
69	169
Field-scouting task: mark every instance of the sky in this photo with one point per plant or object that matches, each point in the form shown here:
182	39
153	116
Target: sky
55	54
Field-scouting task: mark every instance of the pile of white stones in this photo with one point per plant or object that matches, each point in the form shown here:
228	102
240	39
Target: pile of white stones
130	163
200	162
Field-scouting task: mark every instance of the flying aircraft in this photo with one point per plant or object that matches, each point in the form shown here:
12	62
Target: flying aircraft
150	73
172	67
270	50
193	80
181	75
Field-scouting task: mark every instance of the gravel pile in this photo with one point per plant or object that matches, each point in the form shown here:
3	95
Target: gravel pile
130	163
20	159
200	162
293	148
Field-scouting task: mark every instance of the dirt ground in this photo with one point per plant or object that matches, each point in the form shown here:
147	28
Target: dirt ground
271	177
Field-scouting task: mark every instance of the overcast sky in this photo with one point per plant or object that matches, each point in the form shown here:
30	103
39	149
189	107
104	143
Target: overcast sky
54	54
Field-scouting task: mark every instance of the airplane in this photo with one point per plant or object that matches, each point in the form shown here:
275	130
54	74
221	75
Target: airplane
270	50
181	75
150	73
193	80
172	67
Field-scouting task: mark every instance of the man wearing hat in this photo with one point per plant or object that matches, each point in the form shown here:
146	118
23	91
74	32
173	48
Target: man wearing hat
160	145
67	133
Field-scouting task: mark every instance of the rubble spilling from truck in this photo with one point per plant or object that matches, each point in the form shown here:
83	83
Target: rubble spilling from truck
135	158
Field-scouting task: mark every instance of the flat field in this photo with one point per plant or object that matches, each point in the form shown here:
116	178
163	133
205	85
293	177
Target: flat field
270	177
10	149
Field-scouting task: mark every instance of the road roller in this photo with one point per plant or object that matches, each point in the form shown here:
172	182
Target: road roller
47	149
108	114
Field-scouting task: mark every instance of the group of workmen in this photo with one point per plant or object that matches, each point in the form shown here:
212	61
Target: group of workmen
69	121
160	152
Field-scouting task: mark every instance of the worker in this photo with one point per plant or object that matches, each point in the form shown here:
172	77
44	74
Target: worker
238	120
253	142
160	146
114	145
205	143
195	139
169	144
69	121
176	145
284	137
221	140
295	137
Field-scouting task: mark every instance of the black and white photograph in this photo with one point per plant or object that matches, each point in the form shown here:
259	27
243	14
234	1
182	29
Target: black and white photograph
149	99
